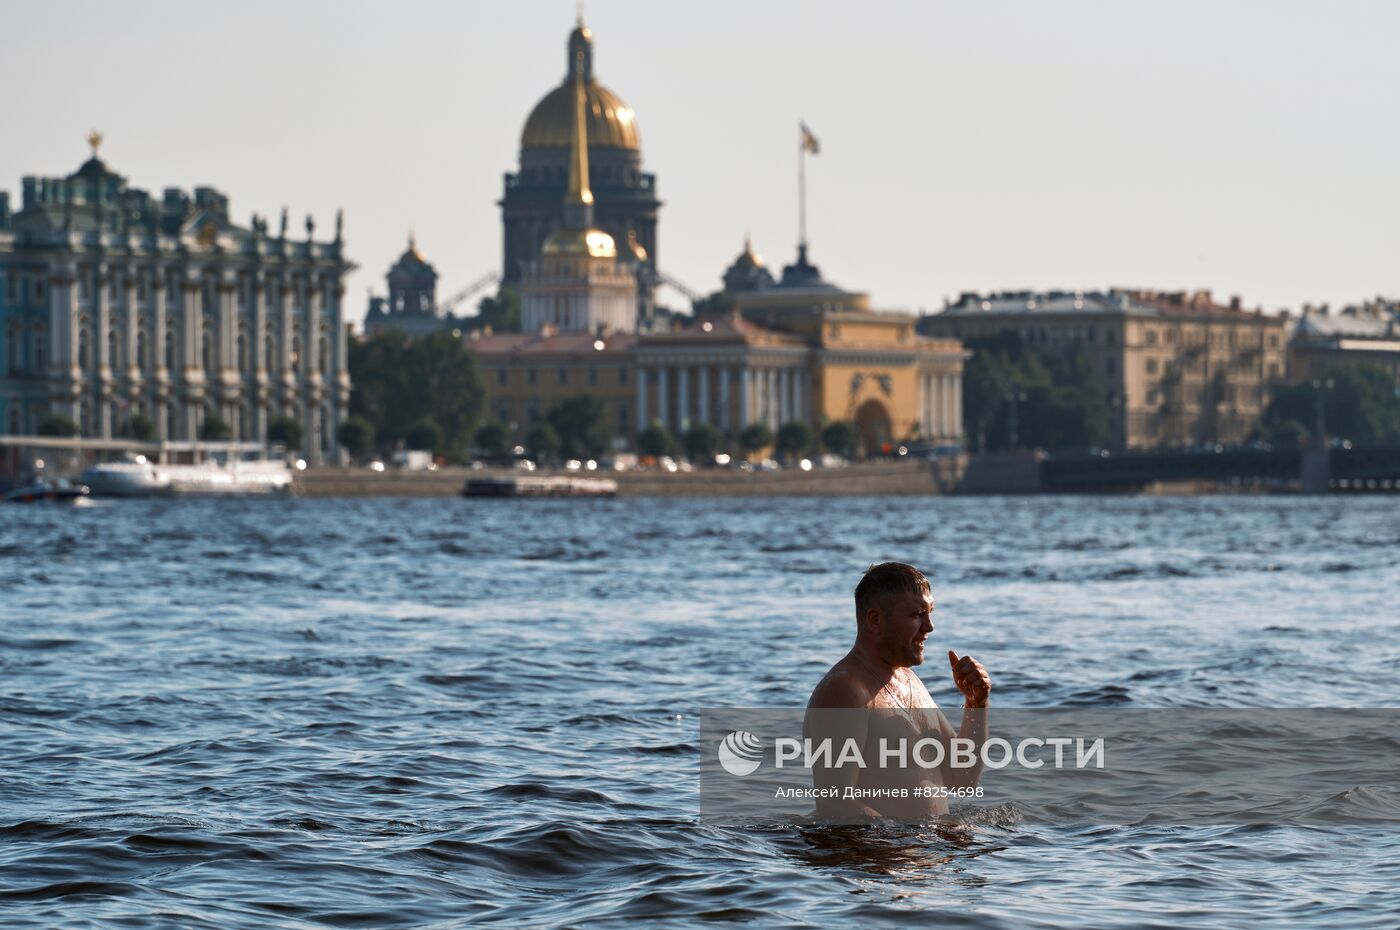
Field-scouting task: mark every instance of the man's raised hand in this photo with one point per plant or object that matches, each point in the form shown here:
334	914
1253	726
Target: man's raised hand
971	678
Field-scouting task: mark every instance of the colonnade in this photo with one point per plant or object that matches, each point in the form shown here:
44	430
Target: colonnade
730	397
940	405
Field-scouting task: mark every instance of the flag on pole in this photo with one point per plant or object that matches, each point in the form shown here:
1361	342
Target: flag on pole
809	141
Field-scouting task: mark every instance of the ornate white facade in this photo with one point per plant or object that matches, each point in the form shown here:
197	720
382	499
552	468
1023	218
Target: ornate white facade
114	305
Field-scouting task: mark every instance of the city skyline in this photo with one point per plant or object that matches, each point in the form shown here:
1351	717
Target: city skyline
962	150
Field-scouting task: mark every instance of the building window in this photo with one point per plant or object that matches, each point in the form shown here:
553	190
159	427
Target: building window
242	351
531	376
114	358
1151	366
269	354
141	349
501	377
11	292
1152	337
13	335
1273	340
39	349
621	375
323	351
624	419
592	376
170	354
1108	366
38	289
563	376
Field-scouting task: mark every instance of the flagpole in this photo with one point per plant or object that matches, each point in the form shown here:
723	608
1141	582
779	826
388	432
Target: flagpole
801	192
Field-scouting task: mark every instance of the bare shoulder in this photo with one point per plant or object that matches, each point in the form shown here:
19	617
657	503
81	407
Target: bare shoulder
919	693
840	688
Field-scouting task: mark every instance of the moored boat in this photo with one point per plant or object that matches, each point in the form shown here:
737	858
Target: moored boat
134	478
195	468
46	490
541	486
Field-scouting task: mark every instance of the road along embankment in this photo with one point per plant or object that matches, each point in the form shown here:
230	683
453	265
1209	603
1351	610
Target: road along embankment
874	478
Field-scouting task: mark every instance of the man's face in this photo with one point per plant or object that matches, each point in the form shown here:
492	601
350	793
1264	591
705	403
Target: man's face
906	621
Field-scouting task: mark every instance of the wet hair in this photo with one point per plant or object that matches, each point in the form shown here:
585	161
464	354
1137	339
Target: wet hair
887	578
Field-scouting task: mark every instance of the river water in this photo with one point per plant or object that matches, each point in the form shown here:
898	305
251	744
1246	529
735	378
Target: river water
429	713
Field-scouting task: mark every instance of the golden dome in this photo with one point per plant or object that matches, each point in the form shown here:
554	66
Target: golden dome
611	123
749	257
591	242
411	255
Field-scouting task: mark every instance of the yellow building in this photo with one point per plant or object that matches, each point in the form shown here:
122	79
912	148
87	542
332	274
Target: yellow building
1177	369
798	350
809	352
525	374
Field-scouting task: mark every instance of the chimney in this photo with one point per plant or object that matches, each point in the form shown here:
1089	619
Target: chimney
1235	302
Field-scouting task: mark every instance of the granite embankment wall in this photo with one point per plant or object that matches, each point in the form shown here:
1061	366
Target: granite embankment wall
877	478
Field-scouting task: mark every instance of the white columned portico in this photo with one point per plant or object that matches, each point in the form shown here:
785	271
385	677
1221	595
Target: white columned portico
784	395
744	375
945	395
957	428
703	410
683	398
724	374
921	401
663	409
935	405
773	400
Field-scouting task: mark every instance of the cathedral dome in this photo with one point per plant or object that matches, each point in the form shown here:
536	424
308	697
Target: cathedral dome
611	123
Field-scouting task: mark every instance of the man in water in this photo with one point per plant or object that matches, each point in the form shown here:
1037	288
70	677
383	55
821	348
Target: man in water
873	697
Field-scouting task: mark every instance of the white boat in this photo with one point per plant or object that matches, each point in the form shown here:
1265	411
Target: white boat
195	468
133	477
555	486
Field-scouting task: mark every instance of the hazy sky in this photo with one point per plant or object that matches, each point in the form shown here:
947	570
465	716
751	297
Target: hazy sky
1247	147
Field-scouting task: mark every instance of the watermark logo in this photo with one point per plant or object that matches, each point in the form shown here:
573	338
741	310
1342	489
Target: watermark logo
740	753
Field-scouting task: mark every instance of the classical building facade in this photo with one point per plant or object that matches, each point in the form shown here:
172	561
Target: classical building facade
809	352
115	305
1365	334
579	282
581	247
1176	368
625	204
